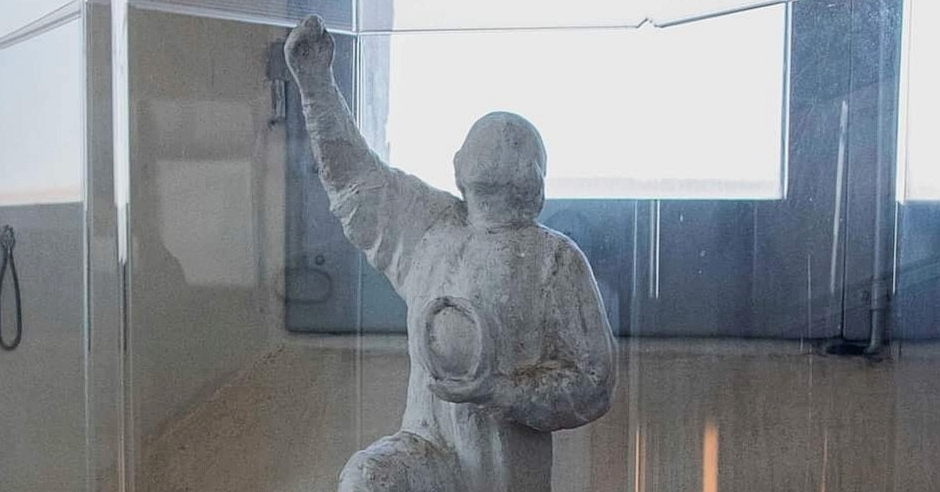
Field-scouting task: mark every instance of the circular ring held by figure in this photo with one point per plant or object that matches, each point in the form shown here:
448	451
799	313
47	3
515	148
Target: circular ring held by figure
456	346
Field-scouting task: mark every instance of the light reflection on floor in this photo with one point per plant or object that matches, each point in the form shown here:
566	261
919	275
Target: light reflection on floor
689	415
710	458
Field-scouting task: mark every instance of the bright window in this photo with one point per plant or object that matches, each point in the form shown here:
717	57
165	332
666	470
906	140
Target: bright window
695	110
919	147
41	118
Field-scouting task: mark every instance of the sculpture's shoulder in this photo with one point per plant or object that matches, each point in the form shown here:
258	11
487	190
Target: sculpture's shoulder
565	256
570	286
433	204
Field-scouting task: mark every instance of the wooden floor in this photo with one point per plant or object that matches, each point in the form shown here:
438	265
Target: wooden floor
690	415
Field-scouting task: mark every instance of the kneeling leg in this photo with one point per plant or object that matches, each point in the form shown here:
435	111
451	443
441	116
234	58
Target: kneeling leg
403	462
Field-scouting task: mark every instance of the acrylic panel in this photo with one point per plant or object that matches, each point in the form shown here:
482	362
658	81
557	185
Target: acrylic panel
206	200
42	377
232	239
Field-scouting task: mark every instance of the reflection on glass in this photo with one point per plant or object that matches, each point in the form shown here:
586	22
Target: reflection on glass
685	112
919	148
41	120
17	13
338	14
203	182
710	458
206	214
405	15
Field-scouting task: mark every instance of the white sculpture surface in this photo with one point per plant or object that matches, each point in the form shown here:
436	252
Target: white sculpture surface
508	338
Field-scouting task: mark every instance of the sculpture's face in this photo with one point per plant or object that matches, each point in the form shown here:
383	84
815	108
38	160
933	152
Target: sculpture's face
501	166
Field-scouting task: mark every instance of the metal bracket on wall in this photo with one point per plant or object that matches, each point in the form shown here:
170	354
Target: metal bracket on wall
7	243
279	76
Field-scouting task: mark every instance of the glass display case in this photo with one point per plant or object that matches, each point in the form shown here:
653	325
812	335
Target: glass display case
753	183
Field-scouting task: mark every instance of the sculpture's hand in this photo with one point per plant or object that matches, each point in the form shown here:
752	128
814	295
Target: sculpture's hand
309	53
479	391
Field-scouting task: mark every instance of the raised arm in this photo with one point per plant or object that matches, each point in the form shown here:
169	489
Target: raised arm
343	155
384	212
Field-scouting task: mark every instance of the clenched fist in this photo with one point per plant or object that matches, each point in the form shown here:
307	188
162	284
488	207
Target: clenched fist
309	53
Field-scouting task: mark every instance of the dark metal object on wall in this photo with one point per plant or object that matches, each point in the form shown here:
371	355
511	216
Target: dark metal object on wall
7	243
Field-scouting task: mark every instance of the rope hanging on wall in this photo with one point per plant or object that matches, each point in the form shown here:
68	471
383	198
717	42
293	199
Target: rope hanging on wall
7	242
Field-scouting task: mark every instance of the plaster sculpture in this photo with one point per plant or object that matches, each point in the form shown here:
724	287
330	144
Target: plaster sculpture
508	339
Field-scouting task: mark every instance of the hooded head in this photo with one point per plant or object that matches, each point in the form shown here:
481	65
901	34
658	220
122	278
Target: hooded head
500	170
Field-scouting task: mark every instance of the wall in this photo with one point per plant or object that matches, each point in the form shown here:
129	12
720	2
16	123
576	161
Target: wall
42	404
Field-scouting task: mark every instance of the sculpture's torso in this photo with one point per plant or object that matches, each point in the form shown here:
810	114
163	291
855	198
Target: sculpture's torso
502	273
